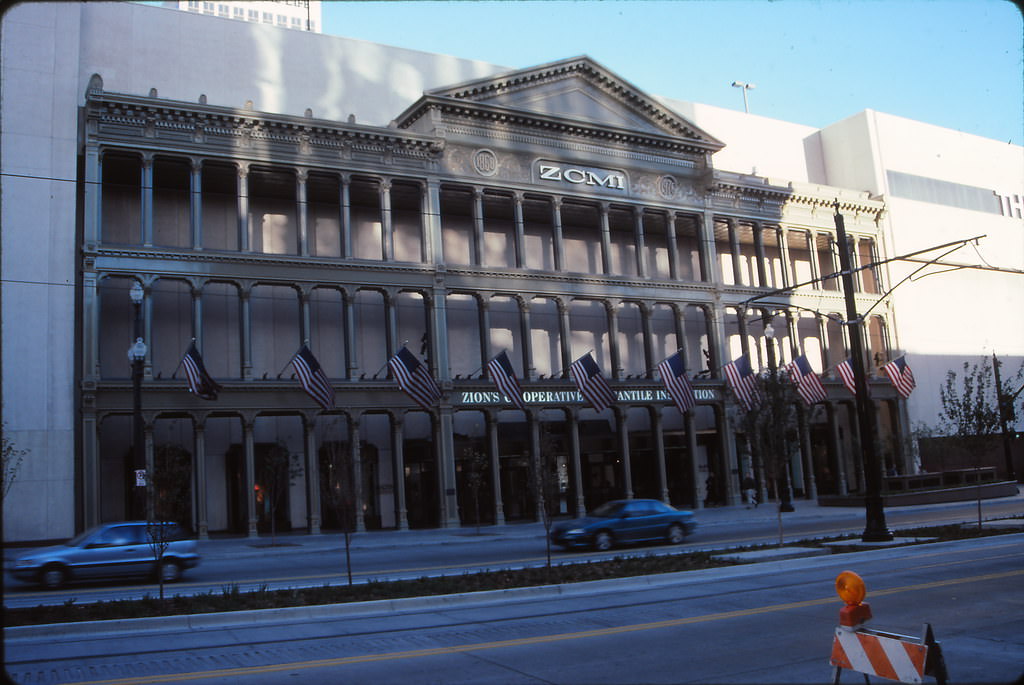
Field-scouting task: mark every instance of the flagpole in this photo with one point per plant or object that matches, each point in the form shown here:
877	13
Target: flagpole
875	529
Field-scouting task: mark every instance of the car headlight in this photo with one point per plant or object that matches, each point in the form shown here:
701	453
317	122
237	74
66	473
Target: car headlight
575	531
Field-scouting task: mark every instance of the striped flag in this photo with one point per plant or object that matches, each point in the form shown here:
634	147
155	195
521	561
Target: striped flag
592	385
901	376
199	382
807	383
742	381
501	372
673	375
414	378
312	378
845	371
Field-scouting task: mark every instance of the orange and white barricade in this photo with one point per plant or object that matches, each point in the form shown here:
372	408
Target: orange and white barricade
874	652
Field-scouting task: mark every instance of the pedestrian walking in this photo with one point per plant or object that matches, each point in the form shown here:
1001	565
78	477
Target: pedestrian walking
750	490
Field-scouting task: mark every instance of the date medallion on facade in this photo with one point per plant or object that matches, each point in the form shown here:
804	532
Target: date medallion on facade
668	186
485	162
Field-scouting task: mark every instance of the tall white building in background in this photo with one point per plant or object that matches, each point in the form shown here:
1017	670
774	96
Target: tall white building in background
301	15
404	195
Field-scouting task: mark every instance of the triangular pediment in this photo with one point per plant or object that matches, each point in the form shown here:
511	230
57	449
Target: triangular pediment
576	90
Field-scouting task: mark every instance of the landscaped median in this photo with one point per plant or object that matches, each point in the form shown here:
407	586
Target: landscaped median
231	599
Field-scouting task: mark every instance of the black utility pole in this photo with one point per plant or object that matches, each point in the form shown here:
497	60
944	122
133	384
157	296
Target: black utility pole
137	357
773	400
875	529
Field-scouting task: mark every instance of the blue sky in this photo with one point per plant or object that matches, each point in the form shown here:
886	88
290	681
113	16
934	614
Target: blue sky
953	63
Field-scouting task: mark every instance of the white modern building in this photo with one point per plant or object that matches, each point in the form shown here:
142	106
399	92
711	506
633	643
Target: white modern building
467	208
300	15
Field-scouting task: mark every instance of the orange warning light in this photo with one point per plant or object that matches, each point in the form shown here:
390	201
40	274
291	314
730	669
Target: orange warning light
850	588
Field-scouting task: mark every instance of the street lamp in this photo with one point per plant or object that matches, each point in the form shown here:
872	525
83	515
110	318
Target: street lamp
137	357
745	86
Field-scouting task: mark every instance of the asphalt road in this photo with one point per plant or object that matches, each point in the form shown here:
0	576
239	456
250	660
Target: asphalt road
304	561
771	622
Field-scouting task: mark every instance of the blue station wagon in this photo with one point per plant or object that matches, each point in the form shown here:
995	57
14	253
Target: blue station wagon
625	521
110	550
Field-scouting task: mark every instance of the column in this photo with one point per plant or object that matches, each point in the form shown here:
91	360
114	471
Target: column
245	323
525	330
762	271
563	335
147	199
836	450
858	280
734	250
679	319
248	421
90	326
93	196
304	318
556	226
491	422
199	442
691	448
484	321
357	470
621	417
243	207
788	279
196	203
673	247
351	355
387	229
147	327
606	239
727	439
709	250
150	466
446	455
430	220
536	463
659	453
312	474
812	247
641	256
810	481
577	470
645	323
611	308
90	467
398	449
345	219
476	254
301	207
517	207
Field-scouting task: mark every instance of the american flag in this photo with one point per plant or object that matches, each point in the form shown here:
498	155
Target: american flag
673	375
414	378
312	378
501	372
199	382
742	381
845	371
591	383
807	383
901	376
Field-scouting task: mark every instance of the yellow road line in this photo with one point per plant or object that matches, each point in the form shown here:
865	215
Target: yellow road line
519	642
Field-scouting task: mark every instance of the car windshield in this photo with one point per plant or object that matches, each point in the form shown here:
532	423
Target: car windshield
608	510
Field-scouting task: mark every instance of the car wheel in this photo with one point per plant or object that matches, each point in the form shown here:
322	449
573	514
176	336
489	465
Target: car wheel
170	571
53	577
676	534
603	541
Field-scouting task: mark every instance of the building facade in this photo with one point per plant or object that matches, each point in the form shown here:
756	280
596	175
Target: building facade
546	212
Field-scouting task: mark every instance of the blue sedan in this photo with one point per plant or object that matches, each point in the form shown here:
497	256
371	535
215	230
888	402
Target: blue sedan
625	521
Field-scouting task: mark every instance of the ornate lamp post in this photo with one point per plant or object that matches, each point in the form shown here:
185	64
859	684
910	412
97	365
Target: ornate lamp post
785	500
137	357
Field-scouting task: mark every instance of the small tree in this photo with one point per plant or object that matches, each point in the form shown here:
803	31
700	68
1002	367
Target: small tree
339	494
169	492
279	470
772	427
12	458
970	414
474	469
545	482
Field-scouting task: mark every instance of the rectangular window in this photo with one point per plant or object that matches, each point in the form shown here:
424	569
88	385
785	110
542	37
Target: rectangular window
193	5
254	15
238	13
296	23
924	189
268	18
222	10
282	20
208	8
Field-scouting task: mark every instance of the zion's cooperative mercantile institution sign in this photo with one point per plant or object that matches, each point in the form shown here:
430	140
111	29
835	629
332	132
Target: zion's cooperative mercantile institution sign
562	397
